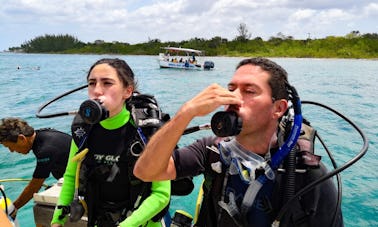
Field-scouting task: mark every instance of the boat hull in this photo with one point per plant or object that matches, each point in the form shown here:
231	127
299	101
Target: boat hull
45	202
183	58
179	65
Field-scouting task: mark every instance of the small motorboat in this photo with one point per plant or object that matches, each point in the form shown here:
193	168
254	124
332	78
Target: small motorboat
183	58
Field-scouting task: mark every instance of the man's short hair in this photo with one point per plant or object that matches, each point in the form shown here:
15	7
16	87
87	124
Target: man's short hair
12	127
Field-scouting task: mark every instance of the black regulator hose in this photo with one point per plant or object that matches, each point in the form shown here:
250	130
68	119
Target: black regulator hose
39	115
338	179
290	164
332	173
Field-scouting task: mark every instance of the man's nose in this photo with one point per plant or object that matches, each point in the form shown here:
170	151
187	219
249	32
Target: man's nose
237	92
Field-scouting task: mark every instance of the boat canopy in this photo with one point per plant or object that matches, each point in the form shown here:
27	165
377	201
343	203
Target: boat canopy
177	49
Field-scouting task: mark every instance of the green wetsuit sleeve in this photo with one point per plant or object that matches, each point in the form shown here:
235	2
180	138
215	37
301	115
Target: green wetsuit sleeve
152	205
68	188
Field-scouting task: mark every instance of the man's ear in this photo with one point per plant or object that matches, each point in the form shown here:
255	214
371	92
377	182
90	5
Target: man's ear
21	138
280	107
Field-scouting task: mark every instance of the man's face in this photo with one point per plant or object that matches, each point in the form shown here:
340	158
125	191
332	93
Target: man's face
22	146
257	110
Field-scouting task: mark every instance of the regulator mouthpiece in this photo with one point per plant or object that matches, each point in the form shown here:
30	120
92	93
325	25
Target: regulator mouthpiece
92	111
226	123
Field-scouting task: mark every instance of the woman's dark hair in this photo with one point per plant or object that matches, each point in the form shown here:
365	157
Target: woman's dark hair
124	72
278	75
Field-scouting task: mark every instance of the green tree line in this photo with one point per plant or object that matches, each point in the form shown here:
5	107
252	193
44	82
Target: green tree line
51	44
352	45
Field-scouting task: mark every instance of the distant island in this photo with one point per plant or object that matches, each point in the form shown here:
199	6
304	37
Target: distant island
352	45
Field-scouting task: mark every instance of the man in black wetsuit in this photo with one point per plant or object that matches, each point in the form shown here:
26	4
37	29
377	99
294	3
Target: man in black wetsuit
51	148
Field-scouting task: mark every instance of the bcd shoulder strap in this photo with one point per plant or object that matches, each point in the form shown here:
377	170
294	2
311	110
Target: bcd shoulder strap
80	131
306	155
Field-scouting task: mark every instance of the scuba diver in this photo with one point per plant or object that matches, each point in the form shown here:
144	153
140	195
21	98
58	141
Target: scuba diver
50	147
246	173
98	180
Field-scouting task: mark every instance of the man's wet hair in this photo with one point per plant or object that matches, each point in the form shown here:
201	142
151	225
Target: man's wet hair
278	75
12	127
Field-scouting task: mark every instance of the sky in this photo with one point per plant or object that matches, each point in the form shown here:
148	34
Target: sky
138	21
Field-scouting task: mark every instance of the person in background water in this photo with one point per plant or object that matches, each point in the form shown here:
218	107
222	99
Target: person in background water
50	147
111	196
258	94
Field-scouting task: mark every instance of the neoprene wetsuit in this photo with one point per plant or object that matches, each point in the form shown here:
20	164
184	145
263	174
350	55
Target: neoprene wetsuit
152	205
315	208
50	148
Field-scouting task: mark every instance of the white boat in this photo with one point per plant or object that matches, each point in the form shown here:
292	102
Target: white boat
44	206
183	58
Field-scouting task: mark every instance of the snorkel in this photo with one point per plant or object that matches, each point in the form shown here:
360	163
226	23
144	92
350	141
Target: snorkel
295	131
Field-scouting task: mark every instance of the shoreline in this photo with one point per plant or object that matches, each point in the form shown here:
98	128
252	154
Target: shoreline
228	56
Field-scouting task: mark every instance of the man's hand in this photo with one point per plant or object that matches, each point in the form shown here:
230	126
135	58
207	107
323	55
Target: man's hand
210	99
14	213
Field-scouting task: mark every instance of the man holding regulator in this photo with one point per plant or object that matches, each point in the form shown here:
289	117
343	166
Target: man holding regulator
258	94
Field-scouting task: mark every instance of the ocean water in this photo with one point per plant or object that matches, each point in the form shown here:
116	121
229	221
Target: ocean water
348	86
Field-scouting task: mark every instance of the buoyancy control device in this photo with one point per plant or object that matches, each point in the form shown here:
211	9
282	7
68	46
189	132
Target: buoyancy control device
147	118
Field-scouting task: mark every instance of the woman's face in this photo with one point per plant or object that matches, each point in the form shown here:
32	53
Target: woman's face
105	86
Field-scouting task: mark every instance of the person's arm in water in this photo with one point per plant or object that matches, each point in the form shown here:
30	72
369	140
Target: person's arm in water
68	188
156	162
152	205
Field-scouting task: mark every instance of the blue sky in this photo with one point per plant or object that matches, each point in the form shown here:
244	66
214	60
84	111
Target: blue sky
137	21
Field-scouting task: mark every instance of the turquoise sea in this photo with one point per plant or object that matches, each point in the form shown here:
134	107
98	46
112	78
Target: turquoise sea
349	86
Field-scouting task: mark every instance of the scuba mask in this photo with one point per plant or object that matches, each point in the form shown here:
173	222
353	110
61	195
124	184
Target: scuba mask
247	165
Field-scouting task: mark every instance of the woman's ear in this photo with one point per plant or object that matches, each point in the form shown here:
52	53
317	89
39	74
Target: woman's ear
128	92
280	107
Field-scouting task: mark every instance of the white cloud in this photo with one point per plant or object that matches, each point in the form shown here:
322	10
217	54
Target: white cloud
303	14
371	9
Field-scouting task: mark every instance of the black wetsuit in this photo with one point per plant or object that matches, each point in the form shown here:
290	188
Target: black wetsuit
51	148
315	208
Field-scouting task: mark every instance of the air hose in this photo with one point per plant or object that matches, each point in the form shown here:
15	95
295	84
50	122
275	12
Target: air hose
332	173
20	179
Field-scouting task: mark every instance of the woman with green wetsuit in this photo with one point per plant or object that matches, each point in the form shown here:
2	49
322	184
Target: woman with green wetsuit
107	189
